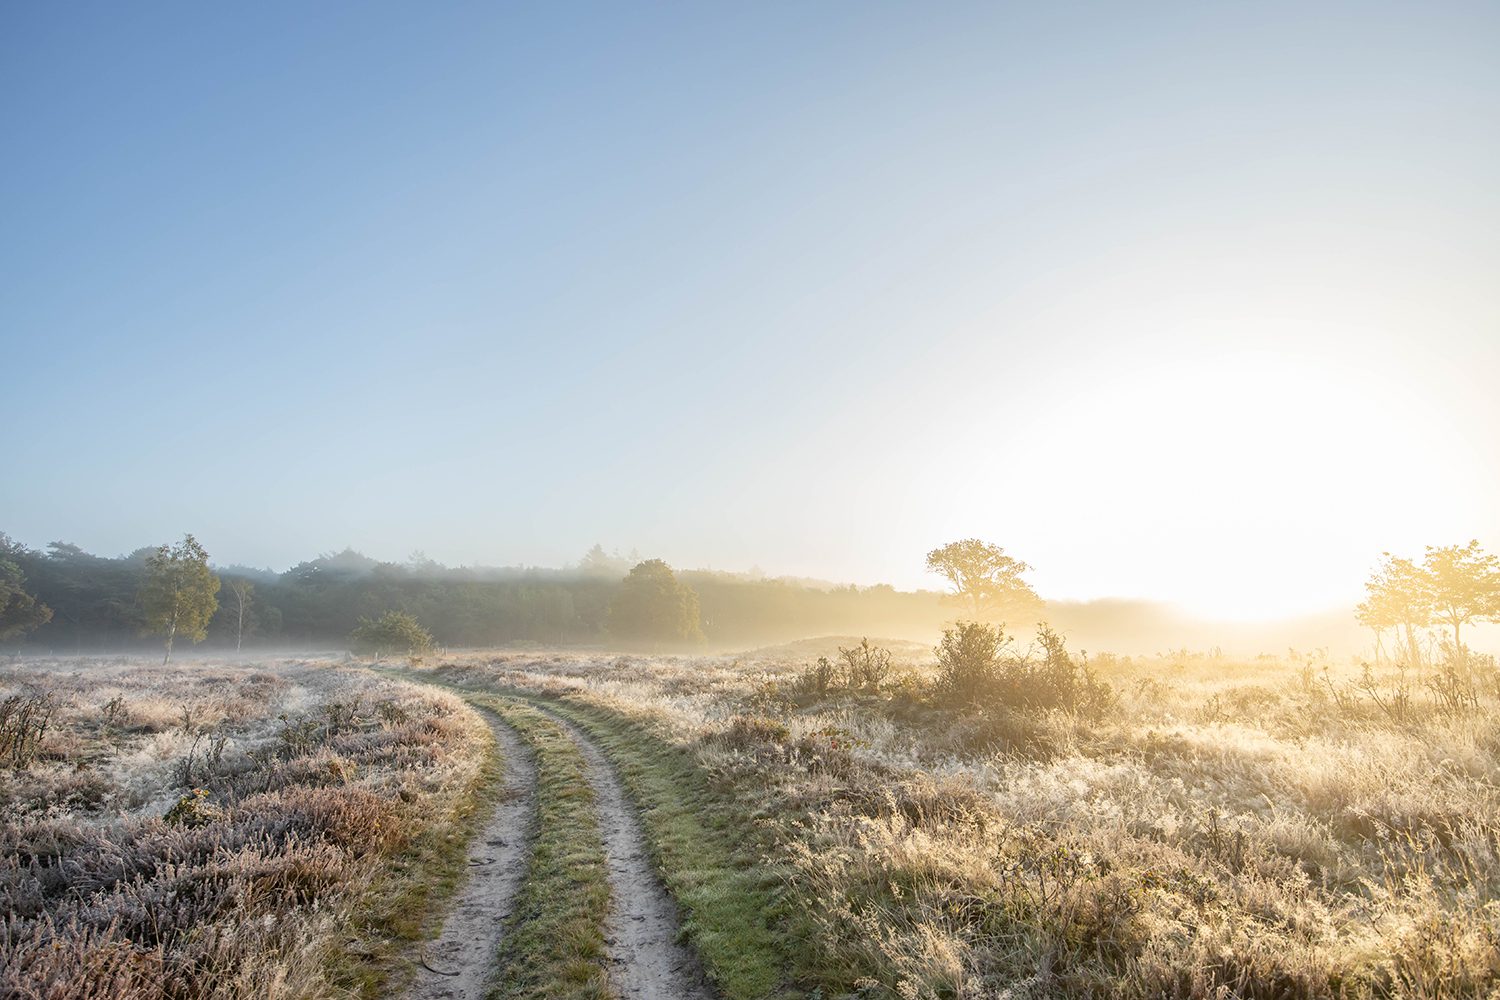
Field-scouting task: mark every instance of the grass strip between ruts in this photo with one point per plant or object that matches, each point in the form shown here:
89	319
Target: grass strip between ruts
702	842
706	852
554	938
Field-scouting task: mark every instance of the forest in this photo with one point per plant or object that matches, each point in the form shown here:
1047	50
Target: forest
317	603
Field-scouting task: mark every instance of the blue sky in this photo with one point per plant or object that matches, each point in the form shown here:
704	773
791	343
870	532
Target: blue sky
1137	292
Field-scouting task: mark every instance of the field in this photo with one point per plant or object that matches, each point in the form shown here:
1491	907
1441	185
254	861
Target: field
864	825
223	831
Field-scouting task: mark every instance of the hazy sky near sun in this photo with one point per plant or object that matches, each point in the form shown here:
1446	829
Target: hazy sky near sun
1198	302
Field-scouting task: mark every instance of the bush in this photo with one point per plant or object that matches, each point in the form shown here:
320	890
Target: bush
23	725
969	662
755	733
865	666
817	680
860	668
975	670
392	632
193	810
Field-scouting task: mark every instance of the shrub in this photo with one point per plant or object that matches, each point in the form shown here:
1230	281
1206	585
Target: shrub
860	668
865	666
969	661
392	632
23	723
817	680
193	810
829	750
753	732
974	670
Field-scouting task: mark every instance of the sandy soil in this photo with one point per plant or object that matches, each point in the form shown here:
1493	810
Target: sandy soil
461	962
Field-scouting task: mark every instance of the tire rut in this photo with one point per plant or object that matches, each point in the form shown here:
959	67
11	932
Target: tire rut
646	958
460	963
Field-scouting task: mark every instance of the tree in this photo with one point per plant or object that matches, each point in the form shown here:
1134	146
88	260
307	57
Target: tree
598	563
1463	585
392	632
653	605
243	592
984	577
20	612
1399	598
178	595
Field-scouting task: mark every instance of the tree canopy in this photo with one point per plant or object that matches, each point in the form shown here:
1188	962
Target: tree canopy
20	611
1463	586
178	597
984	578
1454	586
654	606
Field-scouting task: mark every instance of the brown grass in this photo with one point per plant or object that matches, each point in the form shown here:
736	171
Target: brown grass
215	831
1223	829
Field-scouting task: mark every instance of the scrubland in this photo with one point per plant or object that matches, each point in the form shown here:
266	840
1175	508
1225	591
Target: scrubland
1175	826
213	830
976	821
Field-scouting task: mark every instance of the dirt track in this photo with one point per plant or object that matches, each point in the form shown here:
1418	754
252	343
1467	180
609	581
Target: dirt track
646	958
461	962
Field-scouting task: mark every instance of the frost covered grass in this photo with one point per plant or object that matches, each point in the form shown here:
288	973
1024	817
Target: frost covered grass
212	830
1272	828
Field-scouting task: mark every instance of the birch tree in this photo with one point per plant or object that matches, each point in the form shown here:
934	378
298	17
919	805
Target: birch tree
178	597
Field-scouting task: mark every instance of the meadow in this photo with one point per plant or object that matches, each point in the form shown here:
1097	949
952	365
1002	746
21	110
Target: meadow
828	819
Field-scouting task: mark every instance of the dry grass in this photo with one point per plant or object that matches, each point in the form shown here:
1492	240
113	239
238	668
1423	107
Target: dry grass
215	831
1226	829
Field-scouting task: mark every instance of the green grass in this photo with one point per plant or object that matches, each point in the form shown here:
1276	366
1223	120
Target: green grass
704	847
554	939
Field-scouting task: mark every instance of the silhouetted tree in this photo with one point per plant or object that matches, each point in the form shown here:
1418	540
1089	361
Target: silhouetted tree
653	605
984	577
1463	583
178	595
1398	597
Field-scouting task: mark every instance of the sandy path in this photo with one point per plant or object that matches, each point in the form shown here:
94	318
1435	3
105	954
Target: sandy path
464	954
646	959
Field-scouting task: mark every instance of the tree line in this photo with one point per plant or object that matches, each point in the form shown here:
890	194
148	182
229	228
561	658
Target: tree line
63	599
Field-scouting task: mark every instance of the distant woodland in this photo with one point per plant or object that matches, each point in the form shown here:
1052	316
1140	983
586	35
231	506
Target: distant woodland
95	602
95	606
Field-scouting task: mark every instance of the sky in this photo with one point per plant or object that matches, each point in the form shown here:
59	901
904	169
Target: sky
1187	302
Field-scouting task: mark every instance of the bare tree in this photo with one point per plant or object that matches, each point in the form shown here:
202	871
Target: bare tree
243	593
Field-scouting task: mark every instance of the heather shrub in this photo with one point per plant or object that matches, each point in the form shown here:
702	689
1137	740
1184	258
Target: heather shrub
193	809
23	725
753	733
251	884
